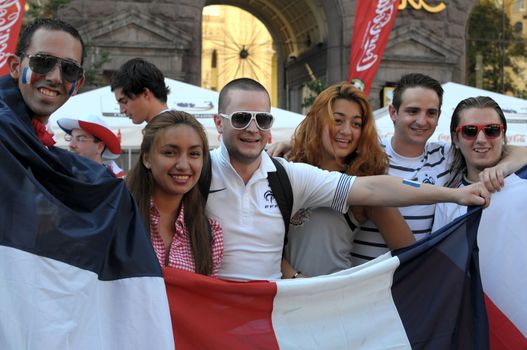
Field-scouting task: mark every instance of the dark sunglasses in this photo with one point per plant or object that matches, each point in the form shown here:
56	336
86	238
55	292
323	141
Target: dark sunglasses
43	64
471	131
240	120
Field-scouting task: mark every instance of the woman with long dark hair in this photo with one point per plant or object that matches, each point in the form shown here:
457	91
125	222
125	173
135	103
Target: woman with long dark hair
174	154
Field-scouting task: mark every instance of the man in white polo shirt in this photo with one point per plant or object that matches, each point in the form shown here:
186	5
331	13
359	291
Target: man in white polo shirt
241	200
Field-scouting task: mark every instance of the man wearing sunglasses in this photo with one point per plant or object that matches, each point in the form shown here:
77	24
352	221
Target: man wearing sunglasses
47	67
415	112
241	200
140	90
67	224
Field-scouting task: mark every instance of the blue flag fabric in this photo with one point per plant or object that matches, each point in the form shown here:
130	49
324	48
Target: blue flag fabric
71	239
441	277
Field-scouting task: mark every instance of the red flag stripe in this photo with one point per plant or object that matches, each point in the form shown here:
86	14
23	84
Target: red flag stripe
503	333
200	303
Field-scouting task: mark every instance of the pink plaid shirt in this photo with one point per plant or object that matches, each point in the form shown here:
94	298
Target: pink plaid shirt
180	255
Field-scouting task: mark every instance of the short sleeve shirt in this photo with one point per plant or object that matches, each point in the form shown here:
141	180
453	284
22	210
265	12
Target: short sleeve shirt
249	215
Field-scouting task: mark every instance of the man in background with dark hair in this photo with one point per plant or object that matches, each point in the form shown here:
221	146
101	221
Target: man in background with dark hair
140	90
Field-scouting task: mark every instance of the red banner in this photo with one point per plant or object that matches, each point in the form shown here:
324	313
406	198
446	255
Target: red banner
373	22
11	15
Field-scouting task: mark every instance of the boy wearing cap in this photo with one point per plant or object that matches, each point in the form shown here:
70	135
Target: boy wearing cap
92	138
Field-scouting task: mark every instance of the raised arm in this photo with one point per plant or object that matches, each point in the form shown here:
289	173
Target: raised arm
385	190
514	158
392	226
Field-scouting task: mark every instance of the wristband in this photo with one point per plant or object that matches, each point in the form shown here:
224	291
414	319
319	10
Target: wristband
296	274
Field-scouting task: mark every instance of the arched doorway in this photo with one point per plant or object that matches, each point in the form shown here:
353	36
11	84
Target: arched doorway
299	31
236	44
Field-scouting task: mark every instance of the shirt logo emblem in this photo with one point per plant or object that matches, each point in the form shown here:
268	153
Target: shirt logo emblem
269	199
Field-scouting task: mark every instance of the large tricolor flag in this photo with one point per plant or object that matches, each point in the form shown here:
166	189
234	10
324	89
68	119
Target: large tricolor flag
502	240
374	20
77	270
426	297
11	15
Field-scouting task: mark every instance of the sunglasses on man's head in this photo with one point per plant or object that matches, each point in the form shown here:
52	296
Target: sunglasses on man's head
471	131
241	119
43	64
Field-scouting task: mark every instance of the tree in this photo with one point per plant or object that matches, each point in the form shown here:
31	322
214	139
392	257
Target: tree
491	37
43	9
315	86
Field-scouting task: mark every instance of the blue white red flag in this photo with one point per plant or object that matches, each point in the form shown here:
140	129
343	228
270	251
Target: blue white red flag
426	297
77	270
502	240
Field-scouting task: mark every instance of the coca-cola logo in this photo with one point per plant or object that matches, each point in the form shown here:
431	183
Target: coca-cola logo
370	54
10	11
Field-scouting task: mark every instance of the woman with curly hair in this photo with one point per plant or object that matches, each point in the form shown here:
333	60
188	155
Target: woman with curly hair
339	134
174	154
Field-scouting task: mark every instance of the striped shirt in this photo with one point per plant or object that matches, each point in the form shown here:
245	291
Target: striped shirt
180	254
431	167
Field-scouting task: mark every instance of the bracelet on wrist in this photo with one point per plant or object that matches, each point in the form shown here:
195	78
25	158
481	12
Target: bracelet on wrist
297	274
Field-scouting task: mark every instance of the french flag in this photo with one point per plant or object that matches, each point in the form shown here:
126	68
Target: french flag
77	270
502	239
428	296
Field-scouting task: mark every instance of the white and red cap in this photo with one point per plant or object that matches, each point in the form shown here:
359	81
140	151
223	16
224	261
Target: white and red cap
97	127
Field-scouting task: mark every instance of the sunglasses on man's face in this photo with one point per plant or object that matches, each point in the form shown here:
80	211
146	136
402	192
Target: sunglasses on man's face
471	131
241	119
43	64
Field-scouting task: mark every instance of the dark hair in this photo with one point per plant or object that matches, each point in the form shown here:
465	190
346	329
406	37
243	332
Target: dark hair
136	75
368	159
141	183
245	84
459	164
415	80
24	40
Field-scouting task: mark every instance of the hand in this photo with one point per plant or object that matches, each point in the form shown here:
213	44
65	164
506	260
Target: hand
279	149
493	178
359	213
475	194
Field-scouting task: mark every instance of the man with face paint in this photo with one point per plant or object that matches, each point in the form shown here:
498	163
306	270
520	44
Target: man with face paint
67	224
44	72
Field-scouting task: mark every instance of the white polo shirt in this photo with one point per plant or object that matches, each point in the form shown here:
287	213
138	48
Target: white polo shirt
252	224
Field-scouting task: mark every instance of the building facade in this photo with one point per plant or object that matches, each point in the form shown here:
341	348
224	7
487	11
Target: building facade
311	38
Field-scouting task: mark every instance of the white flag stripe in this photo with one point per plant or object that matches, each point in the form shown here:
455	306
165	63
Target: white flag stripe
351	305
48	304
502	240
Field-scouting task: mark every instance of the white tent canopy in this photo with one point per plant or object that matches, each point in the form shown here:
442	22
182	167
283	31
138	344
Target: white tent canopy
515	112
200	102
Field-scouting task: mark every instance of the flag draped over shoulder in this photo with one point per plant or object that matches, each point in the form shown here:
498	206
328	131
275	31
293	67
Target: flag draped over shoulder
428	296
77	269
